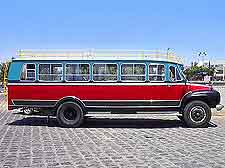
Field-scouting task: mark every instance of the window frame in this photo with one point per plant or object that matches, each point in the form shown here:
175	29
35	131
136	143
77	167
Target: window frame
176	70
26	72
117	72
157	72
77	80
50	74
145	79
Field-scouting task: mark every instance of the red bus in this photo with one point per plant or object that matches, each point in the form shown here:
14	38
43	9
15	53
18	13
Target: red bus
73	83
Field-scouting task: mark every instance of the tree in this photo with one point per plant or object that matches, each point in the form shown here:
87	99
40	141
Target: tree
198	72
1	73
8	63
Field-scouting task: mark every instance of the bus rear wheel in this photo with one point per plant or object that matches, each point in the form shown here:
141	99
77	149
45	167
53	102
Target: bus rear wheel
70	114
197	114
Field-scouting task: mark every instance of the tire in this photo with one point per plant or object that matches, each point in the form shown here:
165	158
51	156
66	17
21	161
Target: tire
197	114
70	114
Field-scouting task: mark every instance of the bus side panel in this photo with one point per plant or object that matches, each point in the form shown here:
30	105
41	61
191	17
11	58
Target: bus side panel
13	76
93	92
10	97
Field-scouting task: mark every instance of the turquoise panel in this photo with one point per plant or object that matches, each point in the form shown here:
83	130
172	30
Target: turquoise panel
36	67
15	71
119	71
64	71
91	70
147	71
16	66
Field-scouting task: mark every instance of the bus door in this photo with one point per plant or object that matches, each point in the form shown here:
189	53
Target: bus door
176	86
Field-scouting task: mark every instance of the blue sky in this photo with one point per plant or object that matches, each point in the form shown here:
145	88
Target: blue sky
185	26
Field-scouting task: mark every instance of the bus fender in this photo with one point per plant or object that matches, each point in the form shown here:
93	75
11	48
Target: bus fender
210	97
70	98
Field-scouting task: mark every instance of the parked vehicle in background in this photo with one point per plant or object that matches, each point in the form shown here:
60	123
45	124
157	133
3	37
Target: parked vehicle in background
73	83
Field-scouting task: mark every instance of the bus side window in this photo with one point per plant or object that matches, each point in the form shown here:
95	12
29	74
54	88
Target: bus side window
28	72
172	74
77	72
105	72
156	72
133	72
50	72
178	77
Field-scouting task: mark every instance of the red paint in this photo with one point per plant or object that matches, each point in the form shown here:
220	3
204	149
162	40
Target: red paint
102	92
193	87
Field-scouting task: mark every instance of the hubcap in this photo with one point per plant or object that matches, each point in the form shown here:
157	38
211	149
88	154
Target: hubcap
197	114
70	114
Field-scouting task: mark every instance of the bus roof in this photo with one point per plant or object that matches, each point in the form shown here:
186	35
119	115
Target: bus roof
93	54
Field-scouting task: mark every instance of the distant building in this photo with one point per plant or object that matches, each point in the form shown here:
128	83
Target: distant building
219	74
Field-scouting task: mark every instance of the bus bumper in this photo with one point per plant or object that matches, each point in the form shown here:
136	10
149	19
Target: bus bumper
219	107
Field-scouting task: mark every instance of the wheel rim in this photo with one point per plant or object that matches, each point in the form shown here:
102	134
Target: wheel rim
197	114
70	114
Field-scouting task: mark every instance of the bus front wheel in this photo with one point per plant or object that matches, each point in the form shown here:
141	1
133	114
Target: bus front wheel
70	114
197	114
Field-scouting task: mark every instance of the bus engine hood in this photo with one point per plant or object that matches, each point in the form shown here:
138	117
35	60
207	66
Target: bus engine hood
199	87
205	93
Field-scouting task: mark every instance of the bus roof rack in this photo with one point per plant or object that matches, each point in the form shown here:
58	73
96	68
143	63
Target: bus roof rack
98	54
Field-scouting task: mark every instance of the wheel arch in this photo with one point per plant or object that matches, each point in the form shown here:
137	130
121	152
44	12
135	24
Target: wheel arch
197	95
70	98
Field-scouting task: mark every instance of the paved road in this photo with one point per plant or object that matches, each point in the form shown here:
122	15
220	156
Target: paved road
1	89
221	89
139	141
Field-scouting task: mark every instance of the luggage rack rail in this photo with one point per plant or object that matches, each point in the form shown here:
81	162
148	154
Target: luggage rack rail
100	54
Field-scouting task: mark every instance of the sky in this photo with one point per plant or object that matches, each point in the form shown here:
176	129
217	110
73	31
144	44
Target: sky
186	27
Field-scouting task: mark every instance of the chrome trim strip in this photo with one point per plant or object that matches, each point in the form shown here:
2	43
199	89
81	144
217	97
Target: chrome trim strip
82	101
195	84
30	106
184	97
159	112
33	105
31	100
87	100
132	107
171	113
131	100
12	102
